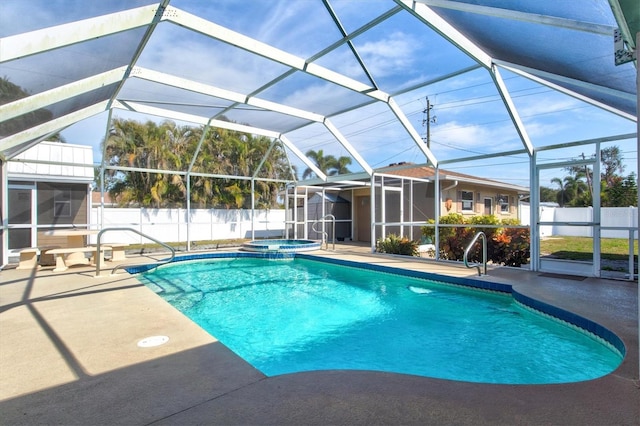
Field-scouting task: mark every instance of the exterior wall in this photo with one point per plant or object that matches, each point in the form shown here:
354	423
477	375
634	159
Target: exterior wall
362	215
423	207
454	202
417	202
59	176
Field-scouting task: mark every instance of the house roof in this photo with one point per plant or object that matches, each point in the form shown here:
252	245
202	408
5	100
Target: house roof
54	161
96	198
291	69
331	197
426	172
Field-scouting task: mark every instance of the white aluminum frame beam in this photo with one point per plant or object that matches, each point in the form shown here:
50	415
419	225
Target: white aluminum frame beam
33	42
538	149
534	18
49	97
161	112
162	6
628	37
264	158
345	143
144	109
404	121
446	30
511	109
287	143
225	35
209	90
539	77
49	127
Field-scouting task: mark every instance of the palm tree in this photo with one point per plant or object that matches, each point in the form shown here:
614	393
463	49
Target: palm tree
560	194
151	146
340	166
168	147
575	187
327	164
324	163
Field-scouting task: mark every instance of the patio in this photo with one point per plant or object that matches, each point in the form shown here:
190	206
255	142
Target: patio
68	355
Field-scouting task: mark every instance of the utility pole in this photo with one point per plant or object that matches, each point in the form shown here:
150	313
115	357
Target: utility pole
588	177
427	120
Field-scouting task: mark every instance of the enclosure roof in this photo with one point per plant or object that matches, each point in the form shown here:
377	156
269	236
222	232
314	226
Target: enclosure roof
295	71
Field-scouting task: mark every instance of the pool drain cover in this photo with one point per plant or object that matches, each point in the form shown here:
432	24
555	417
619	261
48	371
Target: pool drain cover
149	342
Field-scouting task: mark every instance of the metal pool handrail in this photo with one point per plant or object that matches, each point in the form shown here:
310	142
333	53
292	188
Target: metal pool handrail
484	253
325	236
158	263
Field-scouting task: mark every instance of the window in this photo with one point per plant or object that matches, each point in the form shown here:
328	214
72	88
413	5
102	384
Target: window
503	202
62	202
467	200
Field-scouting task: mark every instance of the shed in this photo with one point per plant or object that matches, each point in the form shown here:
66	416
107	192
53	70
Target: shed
335	205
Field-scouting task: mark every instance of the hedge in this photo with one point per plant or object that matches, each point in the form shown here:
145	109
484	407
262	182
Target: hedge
505	245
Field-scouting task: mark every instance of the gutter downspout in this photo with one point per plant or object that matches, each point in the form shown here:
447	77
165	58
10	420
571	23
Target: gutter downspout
453	185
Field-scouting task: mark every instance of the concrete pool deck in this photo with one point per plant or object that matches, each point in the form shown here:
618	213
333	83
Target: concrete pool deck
69	355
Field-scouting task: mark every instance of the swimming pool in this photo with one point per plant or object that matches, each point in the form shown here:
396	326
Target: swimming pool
305	314
281	246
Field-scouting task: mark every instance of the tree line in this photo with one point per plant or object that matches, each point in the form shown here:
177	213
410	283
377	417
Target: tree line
167	147
575	188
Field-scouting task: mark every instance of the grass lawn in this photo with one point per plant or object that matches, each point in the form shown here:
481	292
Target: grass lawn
581	248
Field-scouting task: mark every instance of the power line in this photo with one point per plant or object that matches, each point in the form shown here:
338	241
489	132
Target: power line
452	104
428	120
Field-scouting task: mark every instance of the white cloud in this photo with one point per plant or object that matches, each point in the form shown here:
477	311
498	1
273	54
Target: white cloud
476	138
542	105
389	55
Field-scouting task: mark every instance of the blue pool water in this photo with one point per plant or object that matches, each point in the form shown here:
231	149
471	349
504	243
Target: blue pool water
302	315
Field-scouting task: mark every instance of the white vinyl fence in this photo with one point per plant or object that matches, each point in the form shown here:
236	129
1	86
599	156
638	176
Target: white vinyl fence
170	225
609	217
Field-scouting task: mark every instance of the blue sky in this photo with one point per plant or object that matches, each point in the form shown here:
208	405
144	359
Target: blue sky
471	118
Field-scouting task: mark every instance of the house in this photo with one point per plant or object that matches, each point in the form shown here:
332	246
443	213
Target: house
48	187
98	199
469	195
405	198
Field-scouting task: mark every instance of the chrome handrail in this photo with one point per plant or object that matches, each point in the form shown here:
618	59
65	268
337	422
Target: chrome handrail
484	252
158	263
325	236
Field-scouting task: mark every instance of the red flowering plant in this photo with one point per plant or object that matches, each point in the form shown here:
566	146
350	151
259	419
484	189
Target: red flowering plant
506	245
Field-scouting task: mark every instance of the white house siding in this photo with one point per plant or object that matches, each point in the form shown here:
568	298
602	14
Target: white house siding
79	159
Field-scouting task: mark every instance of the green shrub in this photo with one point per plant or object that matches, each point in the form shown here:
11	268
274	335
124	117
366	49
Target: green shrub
505	246
511	247
451	238
393	244
448	235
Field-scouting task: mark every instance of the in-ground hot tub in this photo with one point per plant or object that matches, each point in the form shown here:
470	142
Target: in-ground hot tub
281	246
